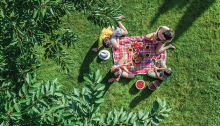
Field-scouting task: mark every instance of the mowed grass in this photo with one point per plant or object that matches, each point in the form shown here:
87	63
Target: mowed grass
192	91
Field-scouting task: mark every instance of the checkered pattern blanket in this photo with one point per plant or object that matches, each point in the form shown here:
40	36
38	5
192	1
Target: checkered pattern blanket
126	42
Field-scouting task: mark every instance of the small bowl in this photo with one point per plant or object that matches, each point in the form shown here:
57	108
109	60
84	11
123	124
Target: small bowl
137	83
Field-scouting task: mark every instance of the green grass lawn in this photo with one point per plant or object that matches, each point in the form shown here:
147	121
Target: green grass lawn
192	91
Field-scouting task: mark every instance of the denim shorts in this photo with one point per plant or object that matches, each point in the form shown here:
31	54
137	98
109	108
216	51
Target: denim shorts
121	69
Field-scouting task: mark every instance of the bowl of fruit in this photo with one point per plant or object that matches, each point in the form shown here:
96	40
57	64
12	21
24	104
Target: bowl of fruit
140	84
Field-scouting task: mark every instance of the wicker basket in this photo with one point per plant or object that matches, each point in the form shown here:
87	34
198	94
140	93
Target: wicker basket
154	85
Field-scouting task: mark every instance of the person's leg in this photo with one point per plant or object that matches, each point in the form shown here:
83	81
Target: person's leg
123	60
122	26
125	32
127	75
161	47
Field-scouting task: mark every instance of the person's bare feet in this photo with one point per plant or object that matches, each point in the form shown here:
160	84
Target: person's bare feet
171	46
94	49
120	17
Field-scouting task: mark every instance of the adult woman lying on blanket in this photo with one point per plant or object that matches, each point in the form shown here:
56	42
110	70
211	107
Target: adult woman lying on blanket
162	35
117	72
108	36
164	73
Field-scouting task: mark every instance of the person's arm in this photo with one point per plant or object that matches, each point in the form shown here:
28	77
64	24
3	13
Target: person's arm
161	78
126	70
116	43
155	70
162	68
159	28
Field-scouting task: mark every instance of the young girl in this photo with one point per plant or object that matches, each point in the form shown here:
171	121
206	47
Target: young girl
164	73
161	36
108	37
119	70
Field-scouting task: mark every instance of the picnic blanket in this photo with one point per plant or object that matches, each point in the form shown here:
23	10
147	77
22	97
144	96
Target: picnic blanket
126	42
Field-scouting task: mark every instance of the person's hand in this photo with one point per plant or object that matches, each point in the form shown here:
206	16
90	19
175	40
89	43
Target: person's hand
94	49
155	68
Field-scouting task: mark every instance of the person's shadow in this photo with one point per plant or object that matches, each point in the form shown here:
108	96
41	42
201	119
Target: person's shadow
145	93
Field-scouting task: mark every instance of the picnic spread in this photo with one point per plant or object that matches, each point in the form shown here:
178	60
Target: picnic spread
140	52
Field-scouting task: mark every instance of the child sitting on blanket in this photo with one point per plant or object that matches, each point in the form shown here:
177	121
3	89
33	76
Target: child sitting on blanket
161	36
164	73
117	72
108	36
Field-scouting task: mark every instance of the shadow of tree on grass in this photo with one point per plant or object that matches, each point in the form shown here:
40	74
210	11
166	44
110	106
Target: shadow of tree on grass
194	11
87	61
145	93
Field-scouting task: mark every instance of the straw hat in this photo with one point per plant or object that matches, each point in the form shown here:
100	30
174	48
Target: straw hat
104	54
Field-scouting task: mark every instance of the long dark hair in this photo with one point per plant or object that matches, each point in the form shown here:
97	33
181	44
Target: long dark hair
167	72
168	34
115	73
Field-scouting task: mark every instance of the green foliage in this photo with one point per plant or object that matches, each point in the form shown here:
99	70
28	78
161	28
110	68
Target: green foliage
45	103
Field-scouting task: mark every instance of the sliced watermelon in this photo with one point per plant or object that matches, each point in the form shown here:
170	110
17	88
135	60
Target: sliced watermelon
140	84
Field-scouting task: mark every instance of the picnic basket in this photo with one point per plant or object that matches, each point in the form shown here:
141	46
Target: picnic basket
154	85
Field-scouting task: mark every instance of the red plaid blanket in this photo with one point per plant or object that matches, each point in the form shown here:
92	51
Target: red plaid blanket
126	43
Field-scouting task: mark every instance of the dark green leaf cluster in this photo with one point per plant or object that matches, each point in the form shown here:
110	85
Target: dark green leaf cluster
45	104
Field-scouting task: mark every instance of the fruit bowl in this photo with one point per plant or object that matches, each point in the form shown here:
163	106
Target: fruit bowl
140	84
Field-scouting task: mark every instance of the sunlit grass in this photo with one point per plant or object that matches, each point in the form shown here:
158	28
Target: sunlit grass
192	91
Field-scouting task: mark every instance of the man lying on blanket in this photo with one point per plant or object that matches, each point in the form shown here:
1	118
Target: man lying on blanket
108	36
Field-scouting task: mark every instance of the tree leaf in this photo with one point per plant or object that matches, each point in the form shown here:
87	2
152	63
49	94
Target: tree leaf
8	93
28	78
48	85
16	114
160	118
100	87
99	94
38	93
99	79
51	10
146	115
53	89
133	118
159	101
35	13
129	116
43	12
155	105
88	78
96	118
55	81
115	119
17	107
97	74
43	90
36	109
32	89
165	114
155	121
100	100
24	88
19	30
140	114
76	91
36	85
163	103
168	109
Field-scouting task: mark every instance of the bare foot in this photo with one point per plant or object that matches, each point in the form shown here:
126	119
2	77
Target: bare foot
171	46
94	49
120	17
